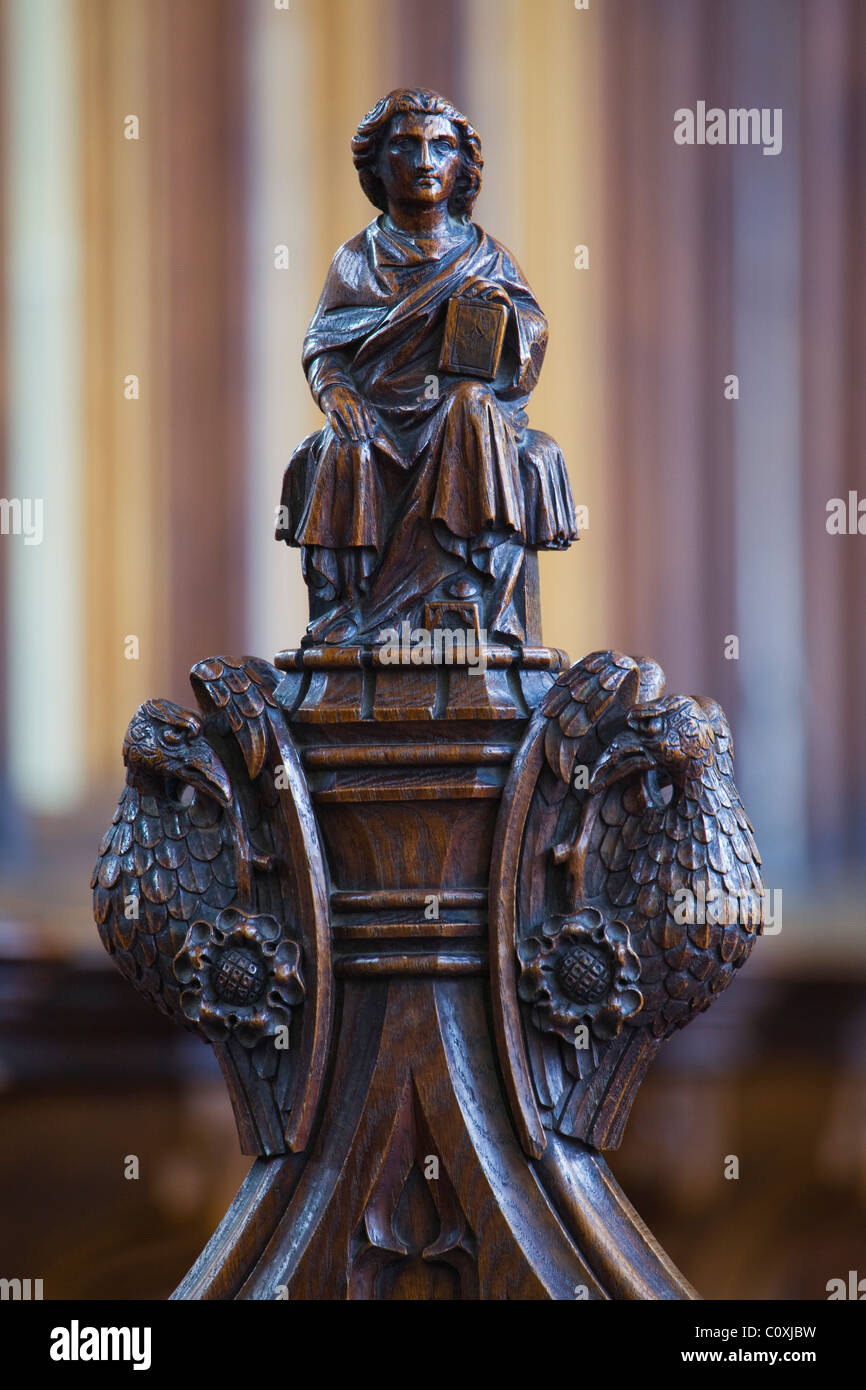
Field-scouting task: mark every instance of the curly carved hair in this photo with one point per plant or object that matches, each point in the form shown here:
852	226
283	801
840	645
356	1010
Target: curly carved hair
372	130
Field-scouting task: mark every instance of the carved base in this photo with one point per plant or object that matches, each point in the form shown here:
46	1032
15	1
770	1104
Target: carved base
415	1186
433	963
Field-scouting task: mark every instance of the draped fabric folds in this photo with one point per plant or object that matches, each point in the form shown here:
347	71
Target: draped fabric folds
454	453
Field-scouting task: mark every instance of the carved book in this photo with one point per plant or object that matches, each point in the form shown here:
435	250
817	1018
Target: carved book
472	342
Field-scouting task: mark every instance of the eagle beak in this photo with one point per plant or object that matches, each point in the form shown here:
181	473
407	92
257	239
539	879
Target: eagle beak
205	772
623	757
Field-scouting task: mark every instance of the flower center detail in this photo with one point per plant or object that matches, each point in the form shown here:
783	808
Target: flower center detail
584	973
238	977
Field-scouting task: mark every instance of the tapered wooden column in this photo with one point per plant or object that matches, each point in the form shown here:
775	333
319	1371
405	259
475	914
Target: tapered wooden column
414	1184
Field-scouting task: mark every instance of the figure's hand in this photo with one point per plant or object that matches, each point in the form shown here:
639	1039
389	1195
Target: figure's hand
488	290
349	415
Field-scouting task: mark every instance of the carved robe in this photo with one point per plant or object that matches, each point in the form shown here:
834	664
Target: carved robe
455	459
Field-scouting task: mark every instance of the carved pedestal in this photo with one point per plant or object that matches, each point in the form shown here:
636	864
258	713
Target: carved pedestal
413	1184
431	899
424	916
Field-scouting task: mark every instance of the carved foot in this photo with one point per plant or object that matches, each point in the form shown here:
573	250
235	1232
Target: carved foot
339	625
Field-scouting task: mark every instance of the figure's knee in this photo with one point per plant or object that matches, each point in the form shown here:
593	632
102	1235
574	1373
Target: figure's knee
472	395
541	454
551	521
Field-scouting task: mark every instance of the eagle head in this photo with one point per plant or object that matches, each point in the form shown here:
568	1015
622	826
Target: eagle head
165	751
676	736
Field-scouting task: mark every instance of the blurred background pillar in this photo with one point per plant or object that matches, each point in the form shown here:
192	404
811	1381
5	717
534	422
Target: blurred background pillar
833	417
45	613
125	521
768	270
201	336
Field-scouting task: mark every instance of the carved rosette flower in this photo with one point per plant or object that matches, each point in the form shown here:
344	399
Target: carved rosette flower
242	977
580	969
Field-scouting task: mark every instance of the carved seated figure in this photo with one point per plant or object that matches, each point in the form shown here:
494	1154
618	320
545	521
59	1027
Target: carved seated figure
425	485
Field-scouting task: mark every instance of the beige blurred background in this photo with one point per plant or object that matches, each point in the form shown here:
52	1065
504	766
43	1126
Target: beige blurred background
155	258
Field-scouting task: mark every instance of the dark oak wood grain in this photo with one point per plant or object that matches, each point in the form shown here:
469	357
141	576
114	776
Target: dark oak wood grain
419	881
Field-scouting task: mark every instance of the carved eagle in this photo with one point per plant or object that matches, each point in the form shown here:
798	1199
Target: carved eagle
639	887
193	888
169	857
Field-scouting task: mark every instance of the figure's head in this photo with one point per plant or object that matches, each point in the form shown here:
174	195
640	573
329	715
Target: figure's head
415	147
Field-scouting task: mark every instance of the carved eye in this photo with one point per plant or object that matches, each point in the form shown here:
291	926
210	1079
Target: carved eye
171	738
649	725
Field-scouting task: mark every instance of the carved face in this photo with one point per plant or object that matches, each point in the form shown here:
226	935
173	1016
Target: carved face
420	160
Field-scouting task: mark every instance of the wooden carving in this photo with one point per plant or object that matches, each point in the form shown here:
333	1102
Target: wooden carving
434	897
210	891
637	893
426	483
